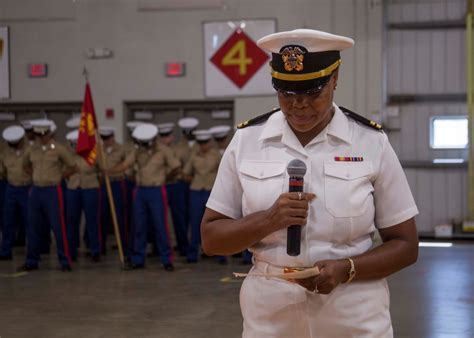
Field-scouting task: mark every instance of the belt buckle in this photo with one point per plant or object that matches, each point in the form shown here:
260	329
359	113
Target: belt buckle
292	269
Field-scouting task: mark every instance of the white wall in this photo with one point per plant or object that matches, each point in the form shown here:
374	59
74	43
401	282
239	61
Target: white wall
59	32
420	62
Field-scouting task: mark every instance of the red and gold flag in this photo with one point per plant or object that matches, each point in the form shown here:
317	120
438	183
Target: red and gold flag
86	143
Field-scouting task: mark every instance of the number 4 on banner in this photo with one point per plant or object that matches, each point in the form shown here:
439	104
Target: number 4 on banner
237	56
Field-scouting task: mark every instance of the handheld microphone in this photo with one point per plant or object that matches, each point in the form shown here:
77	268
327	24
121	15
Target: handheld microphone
296	170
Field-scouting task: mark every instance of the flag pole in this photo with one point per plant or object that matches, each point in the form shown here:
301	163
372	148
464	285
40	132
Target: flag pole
110	197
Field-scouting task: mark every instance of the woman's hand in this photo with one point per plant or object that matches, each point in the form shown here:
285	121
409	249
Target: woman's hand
331	274
290	208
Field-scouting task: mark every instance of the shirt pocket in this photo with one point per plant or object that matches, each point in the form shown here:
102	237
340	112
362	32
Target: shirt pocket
51	156
262	183
347	187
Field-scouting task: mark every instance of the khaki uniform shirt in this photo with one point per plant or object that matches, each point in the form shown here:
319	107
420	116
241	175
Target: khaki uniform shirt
203	168
129	148
151	165
86	177
114	155
13	160
183	152
47	162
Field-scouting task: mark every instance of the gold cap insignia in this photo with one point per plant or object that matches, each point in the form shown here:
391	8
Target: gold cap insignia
293	58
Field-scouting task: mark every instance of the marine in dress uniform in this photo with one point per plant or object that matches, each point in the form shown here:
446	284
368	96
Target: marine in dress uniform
130	146
152	162
201	170
47	160
114	154
177	193
354	185
83	195
15	212
20	235
183	150
220	134
29	134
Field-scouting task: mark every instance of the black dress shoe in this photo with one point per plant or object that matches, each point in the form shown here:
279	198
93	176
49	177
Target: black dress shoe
6	258
191	260
96	258
66	268
26	267
131	266
169	267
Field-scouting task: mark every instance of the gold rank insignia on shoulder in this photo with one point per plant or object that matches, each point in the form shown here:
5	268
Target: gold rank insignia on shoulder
293	58
257	120
361	119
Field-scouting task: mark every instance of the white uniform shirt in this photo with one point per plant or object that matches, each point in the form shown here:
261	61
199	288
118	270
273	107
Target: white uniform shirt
352	198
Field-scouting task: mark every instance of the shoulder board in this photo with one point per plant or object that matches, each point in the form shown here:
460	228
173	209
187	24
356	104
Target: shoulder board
361	119
257	120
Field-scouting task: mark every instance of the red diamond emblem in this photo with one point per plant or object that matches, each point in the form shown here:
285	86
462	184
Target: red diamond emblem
239	58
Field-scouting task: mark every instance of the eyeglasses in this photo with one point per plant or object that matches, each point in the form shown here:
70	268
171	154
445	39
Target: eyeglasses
313	91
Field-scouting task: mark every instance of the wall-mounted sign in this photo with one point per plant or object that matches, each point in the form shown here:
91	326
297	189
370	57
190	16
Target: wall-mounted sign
4	64
234	64
38	70
175	69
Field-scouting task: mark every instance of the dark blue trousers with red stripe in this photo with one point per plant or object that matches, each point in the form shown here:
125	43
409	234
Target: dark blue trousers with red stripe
119	193
46	211
149	210
178	199
3	184
197	205
87	200
15	213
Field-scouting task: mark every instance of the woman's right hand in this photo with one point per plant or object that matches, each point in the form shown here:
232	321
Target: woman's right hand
290	208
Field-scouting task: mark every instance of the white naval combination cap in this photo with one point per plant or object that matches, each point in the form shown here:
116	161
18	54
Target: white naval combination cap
221	131
313	40
165	128
303	59
72	136
106	131
145	132
202	135
74	122
188	123
26	124
43	126
131	125
13	134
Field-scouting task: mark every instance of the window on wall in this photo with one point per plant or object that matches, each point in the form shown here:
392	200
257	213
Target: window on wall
448	132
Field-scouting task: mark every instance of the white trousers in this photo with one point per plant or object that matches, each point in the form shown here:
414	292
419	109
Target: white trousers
274	308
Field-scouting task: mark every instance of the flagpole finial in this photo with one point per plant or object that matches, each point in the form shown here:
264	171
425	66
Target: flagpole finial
85	73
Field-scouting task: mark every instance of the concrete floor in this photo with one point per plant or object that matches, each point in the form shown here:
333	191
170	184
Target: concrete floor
434	298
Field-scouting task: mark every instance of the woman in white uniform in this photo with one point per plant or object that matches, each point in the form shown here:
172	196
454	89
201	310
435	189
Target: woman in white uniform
353	186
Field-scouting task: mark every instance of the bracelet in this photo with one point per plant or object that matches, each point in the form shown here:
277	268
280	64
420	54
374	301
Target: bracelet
352	271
